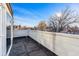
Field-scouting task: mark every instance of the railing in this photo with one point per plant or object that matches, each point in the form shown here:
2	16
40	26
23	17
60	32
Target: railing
59	43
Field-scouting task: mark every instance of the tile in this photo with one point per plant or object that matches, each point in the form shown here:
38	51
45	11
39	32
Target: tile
32	48
18	49
37	53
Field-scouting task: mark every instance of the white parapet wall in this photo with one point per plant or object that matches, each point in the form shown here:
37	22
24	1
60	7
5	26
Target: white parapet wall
20	33
59	43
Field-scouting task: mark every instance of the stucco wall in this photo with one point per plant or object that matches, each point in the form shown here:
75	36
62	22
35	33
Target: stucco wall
59	43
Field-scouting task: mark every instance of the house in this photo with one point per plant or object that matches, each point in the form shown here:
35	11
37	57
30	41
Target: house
6	24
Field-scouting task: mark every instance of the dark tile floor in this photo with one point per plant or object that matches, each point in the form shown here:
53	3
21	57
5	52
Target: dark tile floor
25	46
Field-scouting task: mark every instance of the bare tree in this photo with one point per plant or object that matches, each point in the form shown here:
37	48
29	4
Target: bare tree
42	25
60	21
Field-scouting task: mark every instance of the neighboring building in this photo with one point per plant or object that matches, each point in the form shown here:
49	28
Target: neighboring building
6	24
20	27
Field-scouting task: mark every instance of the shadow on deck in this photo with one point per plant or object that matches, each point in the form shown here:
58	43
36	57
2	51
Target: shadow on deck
26	46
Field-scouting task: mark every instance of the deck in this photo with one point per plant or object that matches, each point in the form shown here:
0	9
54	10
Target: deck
26	46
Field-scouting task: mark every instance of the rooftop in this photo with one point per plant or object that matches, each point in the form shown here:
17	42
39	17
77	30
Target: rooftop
26	46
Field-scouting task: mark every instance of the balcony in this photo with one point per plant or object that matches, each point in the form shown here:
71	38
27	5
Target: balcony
42	43
26	46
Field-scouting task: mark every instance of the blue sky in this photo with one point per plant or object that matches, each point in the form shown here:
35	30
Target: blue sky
30	14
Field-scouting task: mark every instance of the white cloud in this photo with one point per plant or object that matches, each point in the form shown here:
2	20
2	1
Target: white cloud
25	21
23	18
25	12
